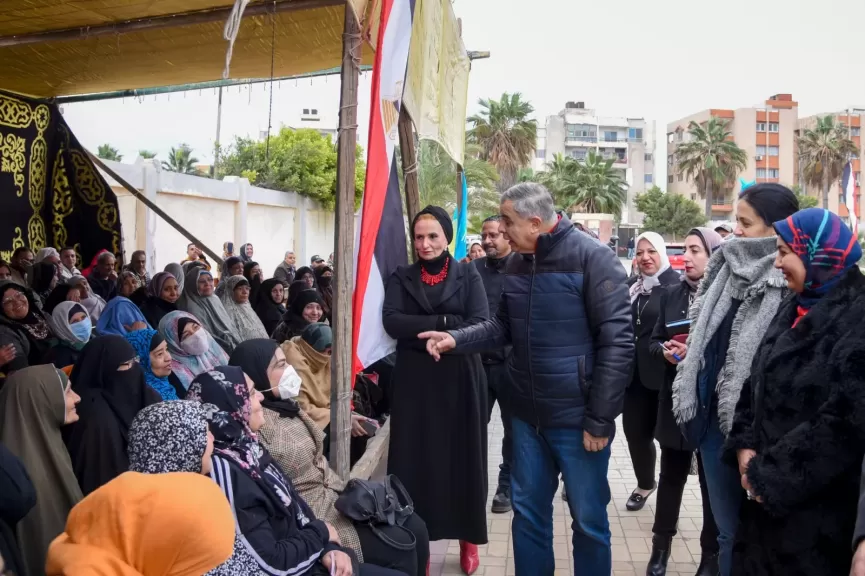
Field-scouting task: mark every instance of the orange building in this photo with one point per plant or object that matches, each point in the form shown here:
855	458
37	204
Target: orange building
766	133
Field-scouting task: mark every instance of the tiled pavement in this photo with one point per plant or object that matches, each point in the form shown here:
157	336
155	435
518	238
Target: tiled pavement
632	531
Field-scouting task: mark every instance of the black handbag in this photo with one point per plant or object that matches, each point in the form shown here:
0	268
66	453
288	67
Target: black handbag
375	504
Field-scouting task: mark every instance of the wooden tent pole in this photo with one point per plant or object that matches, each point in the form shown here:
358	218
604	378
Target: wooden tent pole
409	166
342	376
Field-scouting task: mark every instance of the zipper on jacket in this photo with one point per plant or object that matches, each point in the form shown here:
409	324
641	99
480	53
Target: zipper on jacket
529	345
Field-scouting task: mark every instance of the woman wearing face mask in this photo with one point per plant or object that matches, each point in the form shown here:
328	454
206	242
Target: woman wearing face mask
162	295
35	404
297	445
737	299
269	307
668	343
446	471
198	299
641	396
275	521
252	272
307	308
155	360
324	285
798	433
174	437
24	327
235	299
112	388
92	302
190	346
73	329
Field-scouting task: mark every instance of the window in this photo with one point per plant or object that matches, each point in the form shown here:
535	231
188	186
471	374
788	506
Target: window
694	197
856	176
671	160
761	126
635	134
761	150
541	153
579	153
314	112
620	154
581	132
773	126
670	137
306	111
610	136
647	158
767	173
670	179
854	131
647	178
773	150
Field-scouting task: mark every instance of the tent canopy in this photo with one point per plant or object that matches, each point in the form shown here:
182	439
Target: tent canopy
53	48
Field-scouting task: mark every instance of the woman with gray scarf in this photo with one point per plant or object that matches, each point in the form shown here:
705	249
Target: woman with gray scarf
735	303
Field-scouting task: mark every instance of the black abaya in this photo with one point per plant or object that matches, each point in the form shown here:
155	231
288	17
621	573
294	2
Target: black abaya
438	444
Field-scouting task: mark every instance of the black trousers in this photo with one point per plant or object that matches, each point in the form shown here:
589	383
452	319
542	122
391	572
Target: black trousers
358	569
675	465
499	382
377	552
638	420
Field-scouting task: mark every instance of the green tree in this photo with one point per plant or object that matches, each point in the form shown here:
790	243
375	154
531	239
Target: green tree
710	158
147	154
824	150
437	179
593	186
301	161
805	199
109	152
669	214
181	160
505	134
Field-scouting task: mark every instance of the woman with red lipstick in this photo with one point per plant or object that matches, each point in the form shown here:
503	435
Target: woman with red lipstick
438	442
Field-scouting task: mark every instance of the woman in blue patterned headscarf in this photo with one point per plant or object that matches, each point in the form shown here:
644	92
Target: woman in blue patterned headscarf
119	317
150	347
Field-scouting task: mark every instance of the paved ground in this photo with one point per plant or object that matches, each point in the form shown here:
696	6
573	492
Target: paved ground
632	531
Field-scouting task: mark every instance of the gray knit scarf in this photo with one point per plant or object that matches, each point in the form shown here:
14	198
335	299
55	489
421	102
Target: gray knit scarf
741	269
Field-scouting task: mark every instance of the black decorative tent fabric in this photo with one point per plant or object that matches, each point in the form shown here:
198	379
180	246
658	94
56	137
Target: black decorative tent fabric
52	194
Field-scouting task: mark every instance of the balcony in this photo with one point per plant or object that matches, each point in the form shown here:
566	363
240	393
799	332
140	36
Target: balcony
722	205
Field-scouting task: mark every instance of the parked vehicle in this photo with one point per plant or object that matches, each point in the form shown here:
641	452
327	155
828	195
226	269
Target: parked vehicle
676	254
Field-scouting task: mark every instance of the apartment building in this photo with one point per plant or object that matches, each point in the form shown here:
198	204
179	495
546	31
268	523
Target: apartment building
767	134
850	120
629	142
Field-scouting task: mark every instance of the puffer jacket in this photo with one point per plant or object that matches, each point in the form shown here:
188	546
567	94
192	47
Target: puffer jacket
566	311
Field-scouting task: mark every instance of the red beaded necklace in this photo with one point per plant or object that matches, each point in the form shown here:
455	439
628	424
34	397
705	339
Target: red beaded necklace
433	279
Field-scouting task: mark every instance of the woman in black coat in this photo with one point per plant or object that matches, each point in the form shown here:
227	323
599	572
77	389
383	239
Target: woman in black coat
641	396
798	433
668	343
439	409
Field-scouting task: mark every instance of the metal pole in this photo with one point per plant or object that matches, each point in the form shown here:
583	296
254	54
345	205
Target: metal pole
218	130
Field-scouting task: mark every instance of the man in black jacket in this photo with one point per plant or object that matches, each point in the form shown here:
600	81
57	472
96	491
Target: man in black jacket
491	270
566	311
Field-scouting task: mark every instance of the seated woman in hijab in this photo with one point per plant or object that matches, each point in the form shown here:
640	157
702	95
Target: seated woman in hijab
18	498
310	357
174	437
148	525
324	285
235	299
35	404
297	445
73	328
43	279
120	317
155	360
275	522
127	286
112	388
252	272
192	349
92	302
269	307
63	292
162	296
176	270
24	327
307	308
199	300
305	274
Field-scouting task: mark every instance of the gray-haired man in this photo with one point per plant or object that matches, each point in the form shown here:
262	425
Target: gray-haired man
286	270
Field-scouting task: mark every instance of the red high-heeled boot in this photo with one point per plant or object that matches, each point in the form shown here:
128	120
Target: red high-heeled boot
427	566
469	560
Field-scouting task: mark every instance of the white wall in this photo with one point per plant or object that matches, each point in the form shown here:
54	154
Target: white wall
216	211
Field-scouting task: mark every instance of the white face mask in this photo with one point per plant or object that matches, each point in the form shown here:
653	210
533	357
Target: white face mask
289	384
196	344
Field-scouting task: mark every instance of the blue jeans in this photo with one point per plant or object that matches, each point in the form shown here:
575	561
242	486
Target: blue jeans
725	491
540	455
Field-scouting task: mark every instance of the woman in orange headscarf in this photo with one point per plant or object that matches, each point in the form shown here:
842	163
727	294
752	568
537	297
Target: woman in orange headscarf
174	524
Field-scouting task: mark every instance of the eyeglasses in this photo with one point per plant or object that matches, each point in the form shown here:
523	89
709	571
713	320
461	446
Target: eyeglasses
17	297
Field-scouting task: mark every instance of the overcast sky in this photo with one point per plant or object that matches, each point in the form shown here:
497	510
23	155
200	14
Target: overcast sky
658	59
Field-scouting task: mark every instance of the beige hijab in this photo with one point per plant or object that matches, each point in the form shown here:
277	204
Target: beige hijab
32	411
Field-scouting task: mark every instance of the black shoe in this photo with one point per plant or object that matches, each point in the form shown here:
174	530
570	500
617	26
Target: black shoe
637	500
564	494
502	501
661	548
709	565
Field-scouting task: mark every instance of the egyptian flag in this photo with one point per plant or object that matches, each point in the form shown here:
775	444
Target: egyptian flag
381	242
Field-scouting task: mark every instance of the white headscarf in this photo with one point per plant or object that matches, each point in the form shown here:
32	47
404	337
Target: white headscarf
46	253
644	283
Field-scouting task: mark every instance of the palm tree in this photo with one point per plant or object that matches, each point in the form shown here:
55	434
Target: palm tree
506	135
147	154
181	160
593	186
109	152
710	158
562	179
437	179
824	151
